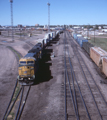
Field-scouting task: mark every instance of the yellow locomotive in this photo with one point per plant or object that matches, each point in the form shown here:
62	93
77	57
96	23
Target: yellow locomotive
28	65
27	68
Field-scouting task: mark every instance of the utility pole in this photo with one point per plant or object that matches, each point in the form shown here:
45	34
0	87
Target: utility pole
11	6
48	17
87	31
94	34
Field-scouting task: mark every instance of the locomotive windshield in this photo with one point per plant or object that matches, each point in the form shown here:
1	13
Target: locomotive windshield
30	62
22	62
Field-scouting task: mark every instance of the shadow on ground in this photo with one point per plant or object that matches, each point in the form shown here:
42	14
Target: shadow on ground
44	72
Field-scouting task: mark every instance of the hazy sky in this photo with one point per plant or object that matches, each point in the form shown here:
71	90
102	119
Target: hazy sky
31	12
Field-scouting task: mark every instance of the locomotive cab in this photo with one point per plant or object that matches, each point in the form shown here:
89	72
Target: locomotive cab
27	70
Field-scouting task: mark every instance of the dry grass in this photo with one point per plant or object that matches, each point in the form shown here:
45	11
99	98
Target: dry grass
100	42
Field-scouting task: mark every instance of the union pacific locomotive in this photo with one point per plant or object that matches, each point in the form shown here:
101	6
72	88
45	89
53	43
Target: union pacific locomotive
28	65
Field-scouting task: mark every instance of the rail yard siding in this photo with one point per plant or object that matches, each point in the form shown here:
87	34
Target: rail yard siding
104	64
97	54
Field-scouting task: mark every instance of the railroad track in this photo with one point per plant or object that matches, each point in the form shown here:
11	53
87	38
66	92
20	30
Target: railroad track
13	100
70	74
29	43
86	96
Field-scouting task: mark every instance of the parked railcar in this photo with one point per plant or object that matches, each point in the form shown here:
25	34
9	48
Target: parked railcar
47	37
86	46
81	40
57	33
51	35
97	54
75	36
54	34
104	66
45	42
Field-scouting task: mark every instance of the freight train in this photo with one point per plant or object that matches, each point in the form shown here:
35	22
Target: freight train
98	55
28	65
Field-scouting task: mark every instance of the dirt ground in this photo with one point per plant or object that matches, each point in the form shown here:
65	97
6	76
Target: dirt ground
8	74
46	97
9	65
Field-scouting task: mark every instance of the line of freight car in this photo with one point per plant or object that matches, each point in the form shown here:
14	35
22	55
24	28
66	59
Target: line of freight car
82	42
98	55
28	65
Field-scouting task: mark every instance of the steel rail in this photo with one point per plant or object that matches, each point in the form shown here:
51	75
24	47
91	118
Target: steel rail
65	88
24	102
72	95
94	81
13	103
65	96
87	82
73	83
10	99
79	89
74	77
69	83
29	43
19	103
